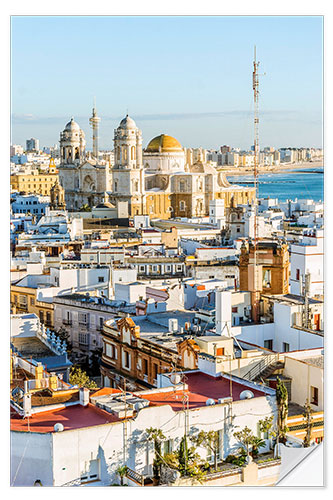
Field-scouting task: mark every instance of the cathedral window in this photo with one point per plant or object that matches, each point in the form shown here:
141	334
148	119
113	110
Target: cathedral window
124	153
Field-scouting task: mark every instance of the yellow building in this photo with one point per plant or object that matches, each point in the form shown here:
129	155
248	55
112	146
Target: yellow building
24	300
34	183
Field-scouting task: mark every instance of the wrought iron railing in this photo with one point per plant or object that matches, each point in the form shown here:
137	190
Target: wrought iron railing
135	476
260	366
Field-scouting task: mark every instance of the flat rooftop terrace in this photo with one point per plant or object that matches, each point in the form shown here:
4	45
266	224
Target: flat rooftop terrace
71	417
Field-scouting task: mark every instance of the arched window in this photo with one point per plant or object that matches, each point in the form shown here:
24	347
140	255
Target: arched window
124	153
77	153
118	153
133	153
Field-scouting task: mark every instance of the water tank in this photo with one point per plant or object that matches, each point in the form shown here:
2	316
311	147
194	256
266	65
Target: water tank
175	378
138	406
58	427
173	325
210	402
246	395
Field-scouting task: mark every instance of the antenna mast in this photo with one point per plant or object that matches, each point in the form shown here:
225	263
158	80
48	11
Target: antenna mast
255	85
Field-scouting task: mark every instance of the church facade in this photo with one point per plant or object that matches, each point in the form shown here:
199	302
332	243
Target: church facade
85	182
158	181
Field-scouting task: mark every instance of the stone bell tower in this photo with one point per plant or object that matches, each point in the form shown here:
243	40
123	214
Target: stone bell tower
127	173
72	144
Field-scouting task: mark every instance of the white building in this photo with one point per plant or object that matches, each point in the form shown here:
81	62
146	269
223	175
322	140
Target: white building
306	369
307	256
93	439
32	204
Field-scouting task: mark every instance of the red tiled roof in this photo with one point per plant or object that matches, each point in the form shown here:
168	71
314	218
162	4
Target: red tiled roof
71	417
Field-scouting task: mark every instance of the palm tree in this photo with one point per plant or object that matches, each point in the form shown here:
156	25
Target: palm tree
157	436
121	471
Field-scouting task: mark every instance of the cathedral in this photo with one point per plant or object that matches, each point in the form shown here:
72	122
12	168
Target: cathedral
162	181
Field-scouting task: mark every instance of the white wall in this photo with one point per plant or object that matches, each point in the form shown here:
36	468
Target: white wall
304	375
72	449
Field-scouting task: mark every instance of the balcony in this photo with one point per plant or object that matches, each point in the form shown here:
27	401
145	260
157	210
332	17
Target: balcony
67	322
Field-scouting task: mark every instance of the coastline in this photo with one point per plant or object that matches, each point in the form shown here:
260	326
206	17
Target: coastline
273	170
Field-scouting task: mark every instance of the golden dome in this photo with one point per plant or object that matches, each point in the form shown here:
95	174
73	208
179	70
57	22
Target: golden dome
164	144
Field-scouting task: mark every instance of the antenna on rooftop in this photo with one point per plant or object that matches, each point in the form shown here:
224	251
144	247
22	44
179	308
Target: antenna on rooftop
255	86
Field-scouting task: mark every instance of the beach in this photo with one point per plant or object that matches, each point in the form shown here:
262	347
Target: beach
278	169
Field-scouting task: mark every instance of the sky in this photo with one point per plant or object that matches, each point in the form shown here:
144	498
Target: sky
189	77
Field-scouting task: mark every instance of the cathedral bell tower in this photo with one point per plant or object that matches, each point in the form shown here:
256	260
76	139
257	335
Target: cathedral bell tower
72	144
127	173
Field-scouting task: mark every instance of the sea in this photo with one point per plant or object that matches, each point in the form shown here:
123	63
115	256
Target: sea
301	184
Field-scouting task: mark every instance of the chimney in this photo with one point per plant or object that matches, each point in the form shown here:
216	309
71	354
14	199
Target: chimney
26	401
39	374
53	381
84	396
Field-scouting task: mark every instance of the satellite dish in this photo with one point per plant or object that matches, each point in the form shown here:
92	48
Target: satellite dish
210	402
58	427
246	395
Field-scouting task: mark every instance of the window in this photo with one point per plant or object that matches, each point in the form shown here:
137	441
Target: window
126	359
141	268
82	319
297	274
145	366
23	300
285	347
111	351
220	351
314	395
182	206
267	278
83	338
268	344
155	371
32	301
235	309
41	316
101	322
100	279
92	471
15	299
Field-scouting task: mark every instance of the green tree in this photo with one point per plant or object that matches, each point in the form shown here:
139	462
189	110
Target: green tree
256	444
309	424
266	426
210	440
246	439
122	471
80	378
282	404
157	437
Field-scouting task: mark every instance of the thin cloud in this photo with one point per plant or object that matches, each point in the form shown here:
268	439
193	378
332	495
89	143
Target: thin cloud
20	119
